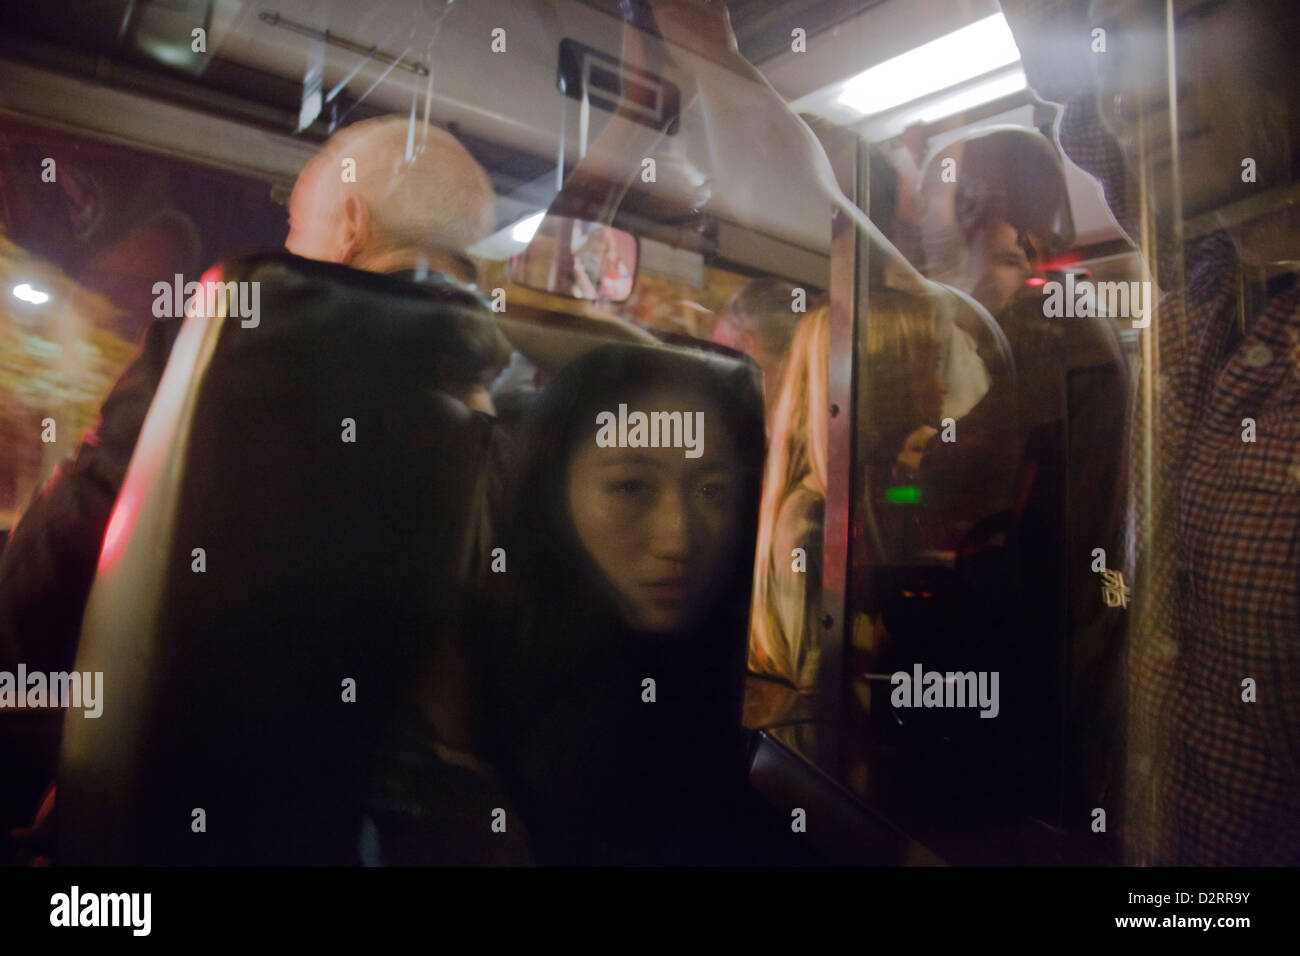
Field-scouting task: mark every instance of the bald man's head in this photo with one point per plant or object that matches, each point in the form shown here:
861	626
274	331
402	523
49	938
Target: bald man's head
361	202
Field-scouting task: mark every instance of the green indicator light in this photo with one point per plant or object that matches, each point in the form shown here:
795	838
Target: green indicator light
903	495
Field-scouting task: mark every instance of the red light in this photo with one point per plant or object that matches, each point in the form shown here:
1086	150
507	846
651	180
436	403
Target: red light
1035	280
119	529
1061	261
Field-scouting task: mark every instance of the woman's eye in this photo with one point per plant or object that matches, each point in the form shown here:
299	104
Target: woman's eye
713	490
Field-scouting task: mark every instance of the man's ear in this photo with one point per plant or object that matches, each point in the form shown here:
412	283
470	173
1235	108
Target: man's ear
971	209
354	229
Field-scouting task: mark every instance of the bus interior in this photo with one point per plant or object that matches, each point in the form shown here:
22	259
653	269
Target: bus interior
967	443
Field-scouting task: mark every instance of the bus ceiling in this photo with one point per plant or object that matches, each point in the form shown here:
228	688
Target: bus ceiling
502	77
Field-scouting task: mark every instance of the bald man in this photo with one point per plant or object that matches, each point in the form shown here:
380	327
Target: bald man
362	202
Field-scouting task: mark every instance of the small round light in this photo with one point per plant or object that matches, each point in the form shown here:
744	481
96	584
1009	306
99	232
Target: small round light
26	293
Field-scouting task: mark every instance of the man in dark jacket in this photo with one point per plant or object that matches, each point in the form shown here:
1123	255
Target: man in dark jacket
361	202
414	224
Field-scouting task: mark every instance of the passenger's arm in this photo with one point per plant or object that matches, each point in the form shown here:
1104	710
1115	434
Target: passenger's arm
1054	38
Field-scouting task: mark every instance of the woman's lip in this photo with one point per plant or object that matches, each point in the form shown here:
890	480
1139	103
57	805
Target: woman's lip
673	591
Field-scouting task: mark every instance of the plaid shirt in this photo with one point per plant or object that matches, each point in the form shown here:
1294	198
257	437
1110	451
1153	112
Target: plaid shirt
1212	778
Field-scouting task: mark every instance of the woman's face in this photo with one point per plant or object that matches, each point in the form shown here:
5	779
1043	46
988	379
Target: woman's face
660	527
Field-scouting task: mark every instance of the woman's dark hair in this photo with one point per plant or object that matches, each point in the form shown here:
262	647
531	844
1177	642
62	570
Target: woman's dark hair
558	613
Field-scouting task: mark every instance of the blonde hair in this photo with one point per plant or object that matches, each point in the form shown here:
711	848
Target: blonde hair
440	198
902	346
901	336
796	456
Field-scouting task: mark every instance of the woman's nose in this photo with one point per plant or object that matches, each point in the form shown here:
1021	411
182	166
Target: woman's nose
670	535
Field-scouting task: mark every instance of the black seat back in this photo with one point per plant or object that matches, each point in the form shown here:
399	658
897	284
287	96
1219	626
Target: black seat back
327	565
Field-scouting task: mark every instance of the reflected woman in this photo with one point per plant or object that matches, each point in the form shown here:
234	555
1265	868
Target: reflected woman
613	665
903	389
787	575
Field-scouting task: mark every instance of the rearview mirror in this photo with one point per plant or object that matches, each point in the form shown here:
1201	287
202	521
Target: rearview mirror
578	260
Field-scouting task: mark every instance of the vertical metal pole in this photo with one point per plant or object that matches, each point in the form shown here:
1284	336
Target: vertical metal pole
564	128
584	113
847	284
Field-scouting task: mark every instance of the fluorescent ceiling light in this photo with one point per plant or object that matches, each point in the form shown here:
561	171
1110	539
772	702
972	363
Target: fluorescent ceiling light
973	96
26	293
962	55
524	229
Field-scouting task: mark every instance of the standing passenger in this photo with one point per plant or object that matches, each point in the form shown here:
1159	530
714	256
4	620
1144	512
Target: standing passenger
1212	776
